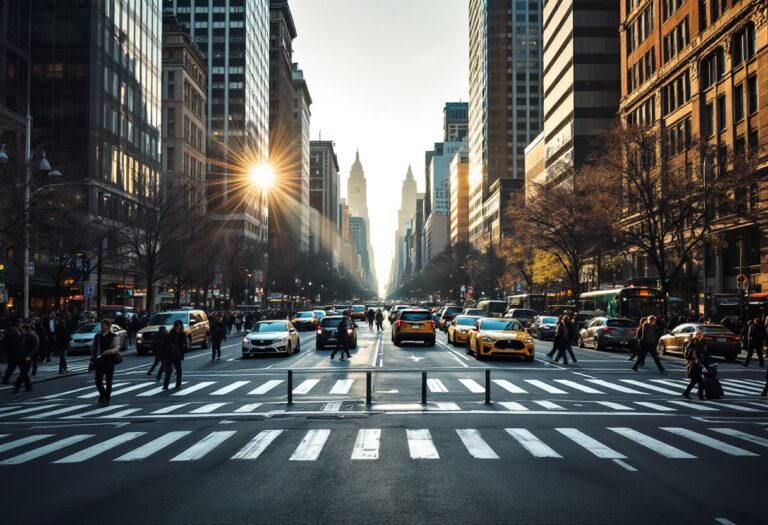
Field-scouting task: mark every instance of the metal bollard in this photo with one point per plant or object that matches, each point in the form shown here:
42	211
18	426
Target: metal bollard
368	388
290	387
487	387
423	388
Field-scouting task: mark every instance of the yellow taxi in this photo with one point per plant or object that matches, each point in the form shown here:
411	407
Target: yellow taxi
357	311
459	328
414	325
499	337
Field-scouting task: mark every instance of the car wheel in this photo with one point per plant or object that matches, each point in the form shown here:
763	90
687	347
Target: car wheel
449	339
189	343
206	341
396	340
469	346
661	349
298	346
581	341
732	357
529	358
478	355
318	347
431	342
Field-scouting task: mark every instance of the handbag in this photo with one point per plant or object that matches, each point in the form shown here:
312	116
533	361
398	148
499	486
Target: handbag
117	357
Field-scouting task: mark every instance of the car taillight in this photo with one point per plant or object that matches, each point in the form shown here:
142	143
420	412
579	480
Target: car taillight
432	325
606	329
398	323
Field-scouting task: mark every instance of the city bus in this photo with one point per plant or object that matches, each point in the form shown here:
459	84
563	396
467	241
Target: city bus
631	303
492	308
528	301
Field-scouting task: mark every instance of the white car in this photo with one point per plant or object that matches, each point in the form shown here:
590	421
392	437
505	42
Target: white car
272	337
82	340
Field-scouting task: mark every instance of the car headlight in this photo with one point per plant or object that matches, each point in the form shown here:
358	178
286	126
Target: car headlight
529	341
138	336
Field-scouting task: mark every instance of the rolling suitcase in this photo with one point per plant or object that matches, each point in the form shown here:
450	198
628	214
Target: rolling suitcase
712	388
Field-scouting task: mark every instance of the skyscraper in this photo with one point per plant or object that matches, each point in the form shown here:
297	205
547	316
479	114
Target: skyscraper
357	197
505	109
437	199
408	198
455	121
324	195
300	132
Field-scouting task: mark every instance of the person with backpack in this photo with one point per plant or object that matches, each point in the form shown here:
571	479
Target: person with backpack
695	363
636	342
755	342
561	340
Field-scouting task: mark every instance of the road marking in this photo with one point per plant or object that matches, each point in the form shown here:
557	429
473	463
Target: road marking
31	409
342	386
155	391
445	406
579	386
306	386
169	409
531	443
250	407
708	441
230	388
333	406
590	444
655	406
258	444
732	406
122	413
60	394
695	406
724	521
266	387
10	408
435	385
119	391
194	388
472	385
477	447
615	406
456	355
509	387
549	405
624	465
742	435
737	392
544	386
513	406
748	383
154	446
23	441
651	387
207	409
58	412
367	444
100	448
618	388
420	444
742	387
668	451
311	446
47	449
204	446
97	412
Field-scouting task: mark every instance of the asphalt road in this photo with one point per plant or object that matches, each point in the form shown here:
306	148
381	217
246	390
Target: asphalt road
589	443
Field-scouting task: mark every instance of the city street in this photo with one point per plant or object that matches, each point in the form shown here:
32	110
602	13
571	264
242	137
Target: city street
592	441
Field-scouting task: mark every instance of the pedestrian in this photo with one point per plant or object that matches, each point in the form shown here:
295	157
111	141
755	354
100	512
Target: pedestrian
173	349
49	326
649	340
230	322
34	329
571	326
636	341
161	334
370	315
342	339
695	362
379	320
61	339
104	356
560	341
11	342
755	341
218	334
239	322
24	358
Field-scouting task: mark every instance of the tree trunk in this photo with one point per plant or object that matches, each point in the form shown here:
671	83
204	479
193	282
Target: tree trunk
150	291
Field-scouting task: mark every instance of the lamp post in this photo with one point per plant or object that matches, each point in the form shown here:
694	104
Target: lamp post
706	221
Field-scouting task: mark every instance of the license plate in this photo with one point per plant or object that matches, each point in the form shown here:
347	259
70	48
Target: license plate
416	326
722	340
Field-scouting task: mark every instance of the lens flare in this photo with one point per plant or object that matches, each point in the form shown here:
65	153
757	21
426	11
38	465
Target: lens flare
262	176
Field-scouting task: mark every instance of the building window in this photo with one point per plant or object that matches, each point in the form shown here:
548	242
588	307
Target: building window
752	140
670	6
169	155
703	22
171	84
738	102
676	40
678	137
709	120
738	147
743	44
721	121
717	8
712	68
639	30
752	95
676	93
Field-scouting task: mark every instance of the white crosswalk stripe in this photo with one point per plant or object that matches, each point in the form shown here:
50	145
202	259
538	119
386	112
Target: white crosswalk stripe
306	386
170	408
156	390
342	386
420	444
89	387
96	412
743	385
230	388
100	448
579	386
194	388
544	386
204	446
732	391
509	387
435	385
23	441
332	406
549	405
649	386
472	385
731	406
46	449
668	451
9	408
311	446
258	444
154	446
207	409
57	412
615	406
592	445
618	388
513	406
695	406
477	447
29	410
367	444
708	441
250	407
266	387
655	406
122	413
757	440
531	443
119	391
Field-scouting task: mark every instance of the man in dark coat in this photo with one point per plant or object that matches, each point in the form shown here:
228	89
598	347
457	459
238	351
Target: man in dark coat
342	339
24	359
755	341
11	343
103	360
649	340
218	334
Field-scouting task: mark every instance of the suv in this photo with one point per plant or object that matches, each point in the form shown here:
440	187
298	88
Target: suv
196	328
326	332
414	325
521	314
446	316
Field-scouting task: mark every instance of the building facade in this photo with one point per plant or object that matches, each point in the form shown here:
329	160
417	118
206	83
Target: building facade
459	170
324	195
302	101
437	198
455	121
357	196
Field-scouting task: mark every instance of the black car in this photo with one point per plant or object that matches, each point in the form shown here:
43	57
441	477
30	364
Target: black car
326	332
448	313
543	327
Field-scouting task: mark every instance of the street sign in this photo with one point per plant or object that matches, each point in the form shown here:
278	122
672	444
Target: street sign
31	269
3	295
88	290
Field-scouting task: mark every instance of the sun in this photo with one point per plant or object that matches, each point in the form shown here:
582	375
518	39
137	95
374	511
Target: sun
262	176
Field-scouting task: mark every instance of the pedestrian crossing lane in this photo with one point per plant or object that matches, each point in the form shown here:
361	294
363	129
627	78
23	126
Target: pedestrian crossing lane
258	444
45	450
100	448
204	446
154	446
311	446
709	441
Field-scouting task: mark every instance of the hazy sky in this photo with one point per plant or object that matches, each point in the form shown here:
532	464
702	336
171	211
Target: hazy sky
379	72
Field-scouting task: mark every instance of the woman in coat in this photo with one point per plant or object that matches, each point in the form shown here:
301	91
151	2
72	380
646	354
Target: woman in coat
695	363
561	340
173	348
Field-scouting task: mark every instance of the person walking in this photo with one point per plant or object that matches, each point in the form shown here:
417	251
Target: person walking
239	322
370	315
755	341
695	362
636	342
571	328
24	358
61	339
379	320
218	334
342	339
649	339
104	355
555	346
560	341
34	330
11	342
174	347
161	335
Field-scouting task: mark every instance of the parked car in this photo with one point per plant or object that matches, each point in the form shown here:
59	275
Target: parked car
543	327
414	325
521	314
605	332
196	328
271	337
500	337
82	339
326	332
720	340
459	327
446	316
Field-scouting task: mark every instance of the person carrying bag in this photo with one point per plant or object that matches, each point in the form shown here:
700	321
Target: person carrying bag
104	357
695	357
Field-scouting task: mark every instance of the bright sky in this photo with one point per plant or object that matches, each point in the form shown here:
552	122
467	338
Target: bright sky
379	73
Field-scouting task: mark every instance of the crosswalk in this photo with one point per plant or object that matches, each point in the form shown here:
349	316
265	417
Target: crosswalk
372	444
733	388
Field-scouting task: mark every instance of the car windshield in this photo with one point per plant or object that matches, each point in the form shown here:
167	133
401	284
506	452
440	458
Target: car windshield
415	316
320	313
270	326
466	321
452	310
547	320
90	329
523	313
621	323
500	324
711	329
304	315
473	311
168	318
332	322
